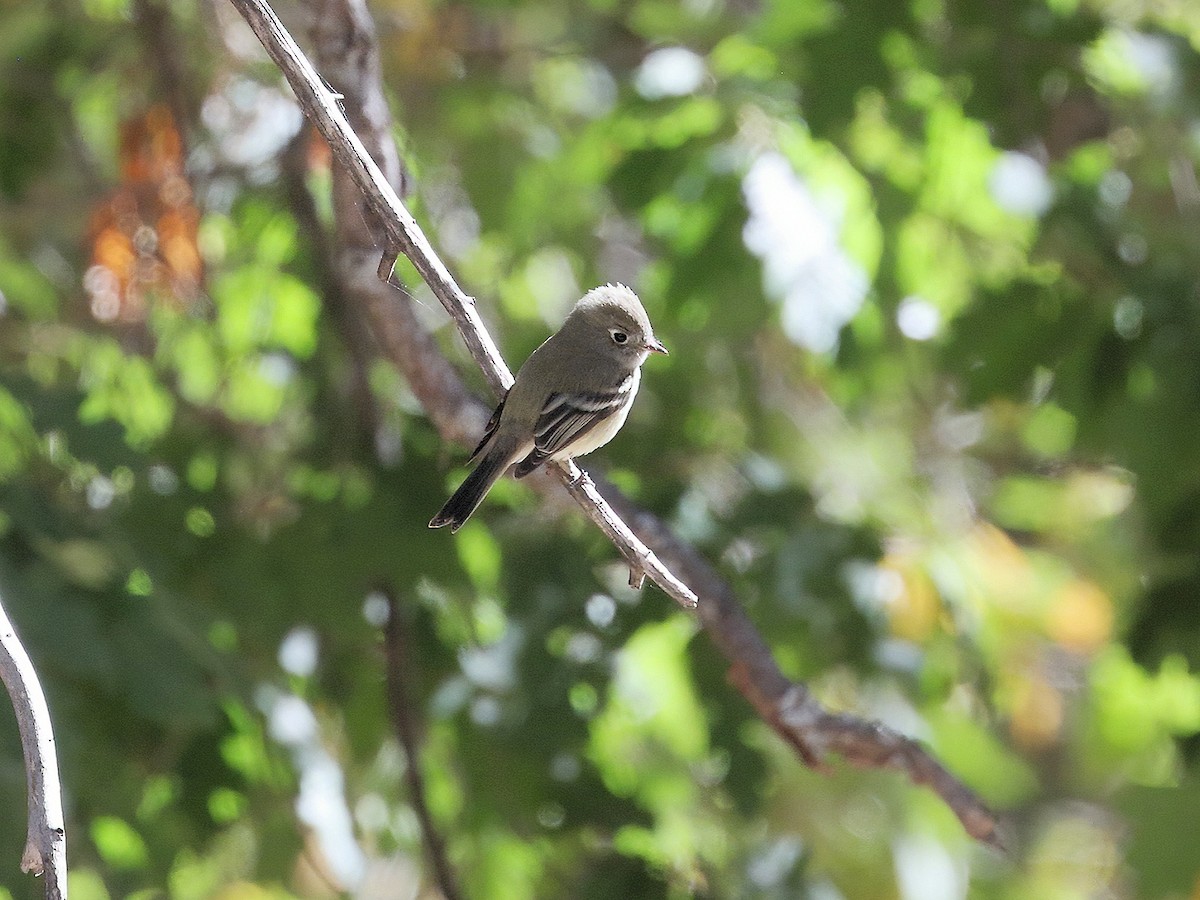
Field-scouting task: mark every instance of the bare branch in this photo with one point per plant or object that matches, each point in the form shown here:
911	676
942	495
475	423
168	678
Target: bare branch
46	841
642	560
787	706
398	668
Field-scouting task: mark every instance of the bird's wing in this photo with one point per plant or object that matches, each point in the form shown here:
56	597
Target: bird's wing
489	429
566	417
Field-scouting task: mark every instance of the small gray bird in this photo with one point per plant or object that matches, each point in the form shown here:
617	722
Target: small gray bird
571	396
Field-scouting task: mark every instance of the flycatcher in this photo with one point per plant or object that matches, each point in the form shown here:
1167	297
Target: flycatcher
571	396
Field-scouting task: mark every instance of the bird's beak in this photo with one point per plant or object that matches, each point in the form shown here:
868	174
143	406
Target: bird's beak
655	346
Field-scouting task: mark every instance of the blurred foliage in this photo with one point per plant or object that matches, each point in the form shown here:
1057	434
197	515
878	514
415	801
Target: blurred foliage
929	276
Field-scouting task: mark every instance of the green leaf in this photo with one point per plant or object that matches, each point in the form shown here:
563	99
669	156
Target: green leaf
125	389
27	289
118	843
975	755
1163	845
18	440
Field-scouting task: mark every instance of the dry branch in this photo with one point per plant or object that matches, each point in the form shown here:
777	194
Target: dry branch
46	838
399	667
787	706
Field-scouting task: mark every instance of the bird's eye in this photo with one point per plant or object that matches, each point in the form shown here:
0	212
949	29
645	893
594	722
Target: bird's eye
619	336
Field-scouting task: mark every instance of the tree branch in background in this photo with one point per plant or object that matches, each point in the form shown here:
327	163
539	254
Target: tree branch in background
46	841
155	28
351	326
786	706
395	646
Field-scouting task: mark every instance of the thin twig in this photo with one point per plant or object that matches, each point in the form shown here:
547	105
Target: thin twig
156	29
46	840
787	706
398	668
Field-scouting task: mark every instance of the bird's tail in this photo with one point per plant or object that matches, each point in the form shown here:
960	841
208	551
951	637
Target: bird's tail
471	492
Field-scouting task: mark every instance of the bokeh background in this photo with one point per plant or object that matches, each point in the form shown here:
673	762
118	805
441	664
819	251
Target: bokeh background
930	275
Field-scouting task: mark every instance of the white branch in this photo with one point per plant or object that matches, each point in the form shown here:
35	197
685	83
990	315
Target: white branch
46	842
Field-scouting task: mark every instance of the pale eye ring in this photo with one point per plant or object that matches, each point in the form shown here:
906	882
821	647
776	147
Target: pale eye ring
618	336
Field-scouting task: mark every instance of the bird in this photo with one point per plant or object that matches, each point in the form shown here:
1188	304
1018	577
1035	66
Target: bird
570	397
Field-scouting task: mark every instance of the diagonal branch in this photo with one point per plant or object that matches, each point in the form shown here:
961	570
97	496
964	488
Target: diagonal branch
787	706
46	843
